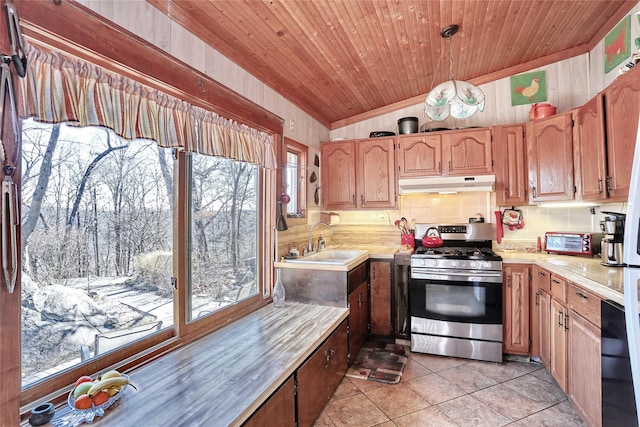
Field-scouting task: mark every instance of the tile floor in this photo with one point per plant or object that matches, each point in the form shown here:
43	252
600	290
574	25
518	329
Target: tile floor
449	392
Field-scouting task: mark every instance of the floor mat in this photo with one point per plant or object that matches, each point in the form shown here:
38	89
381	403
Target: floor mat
377	361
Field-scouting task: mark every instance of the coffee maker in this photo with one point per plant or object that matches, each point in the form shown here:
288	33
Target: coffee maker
613	229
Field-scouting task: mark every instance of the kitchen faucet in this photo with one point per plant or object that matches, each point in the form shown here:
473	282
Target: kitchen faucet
309	244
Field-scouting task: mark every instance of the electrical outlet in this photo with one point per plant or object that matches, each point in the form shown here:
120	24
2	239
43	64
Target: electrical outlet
292	125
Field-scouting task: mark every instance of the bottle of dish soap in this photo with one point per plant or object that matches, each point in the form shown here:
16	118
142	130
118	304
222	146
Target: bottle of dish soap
321	242
278	292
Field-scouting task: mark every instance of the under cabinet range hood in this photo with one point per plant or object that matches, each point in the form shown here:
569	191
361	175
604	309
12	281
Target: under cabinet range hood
447	184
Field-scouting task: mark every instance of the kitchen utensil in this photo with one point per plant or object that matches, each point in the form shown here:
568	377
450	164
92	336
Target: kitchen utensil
313	177
282	222
316	161
499	229
316	196
432	239
380	133
408	125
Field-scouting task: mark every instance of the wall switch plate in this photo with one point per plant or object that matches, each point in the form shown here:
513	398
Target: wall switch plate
292	125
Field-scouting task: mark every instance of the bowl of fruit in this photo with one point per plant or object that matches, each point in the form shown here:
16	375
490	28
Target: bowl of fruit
91	397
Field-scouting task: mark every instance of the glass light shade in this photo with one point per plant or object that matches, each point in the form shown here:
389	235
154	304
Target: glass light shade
454	97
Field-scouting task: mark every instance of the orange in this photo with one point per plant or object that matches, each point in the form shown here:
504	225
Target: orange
83	402
100	398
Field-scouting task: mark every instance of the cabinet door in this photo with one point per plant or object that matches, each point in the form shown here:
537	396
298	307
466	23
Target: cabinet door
280	409
591	172
358	318
539	281
419	155
550	159
510	165
375	173
380	299
516	309
622	106
320	375
559	326
338	175
585	384
467	152
544	314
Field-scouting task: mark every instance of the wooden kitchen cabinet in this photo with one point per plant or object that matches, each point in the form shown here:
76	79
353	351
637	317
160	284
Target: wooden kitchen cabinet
467	152
540	281
460	152
358	318
544	316
591	171
338	175
375	173
380	298
516	295
419	155
585	384
559	343
510	165
319	376
280	409
359	174
622	108
550	158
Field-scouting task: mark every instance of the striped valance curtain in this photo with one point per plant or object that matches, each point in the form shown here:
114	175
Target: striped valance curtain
59	88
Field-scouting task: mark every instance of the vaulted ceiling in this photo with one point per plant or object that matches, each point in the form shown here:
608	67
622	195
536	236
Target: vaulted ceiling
339	60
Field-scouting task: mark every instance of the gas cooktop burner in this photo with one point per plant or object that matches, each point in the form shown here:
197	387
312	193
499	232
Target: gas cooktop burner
457	253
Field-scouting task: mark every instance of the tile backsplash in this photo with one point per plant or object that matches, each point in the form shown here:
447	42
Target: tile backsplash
458	208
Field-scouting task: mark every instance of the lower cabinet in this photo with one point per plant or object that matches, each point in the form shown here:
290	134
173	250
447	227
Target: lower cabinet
585	383
380	301
319	377
559	338
280	409
516	294
358	318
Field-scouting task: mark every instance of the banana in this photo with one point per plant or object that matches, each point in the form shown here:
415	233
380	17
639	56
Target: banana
110	374
106	384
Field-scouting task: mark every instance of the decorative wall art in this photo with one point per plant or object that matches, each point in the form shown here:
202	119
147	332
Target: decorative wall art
528	88
617	44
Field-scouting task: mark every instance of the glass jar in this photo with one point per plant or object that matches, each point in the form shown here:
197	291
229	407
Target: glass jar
278	292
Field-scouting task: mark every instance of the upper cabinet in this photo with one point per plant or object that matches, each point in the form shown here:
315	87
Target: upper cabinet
510	160
467	152
622	107
338	175
461	152
359	174
550	158
591	161
419	155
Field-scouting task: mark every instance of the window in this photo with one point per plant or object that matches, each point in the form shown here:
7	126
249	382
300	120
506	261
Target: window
224	237
96	243
295	180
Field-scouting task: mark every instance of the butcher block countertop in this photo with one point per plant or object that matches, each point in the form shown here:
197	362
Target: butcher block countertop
606	282
222	378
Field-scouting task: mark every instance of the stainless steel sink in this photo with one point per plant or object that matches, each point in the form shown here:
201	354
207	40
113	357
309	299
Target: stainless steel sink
329	256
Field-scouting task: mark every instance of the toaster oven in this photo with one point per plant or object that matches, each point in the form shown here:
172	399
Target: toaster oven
573	243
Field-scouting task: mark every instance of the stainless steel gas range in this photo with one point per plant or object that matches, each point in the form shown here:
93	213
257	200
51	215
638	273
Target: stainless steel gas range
456	293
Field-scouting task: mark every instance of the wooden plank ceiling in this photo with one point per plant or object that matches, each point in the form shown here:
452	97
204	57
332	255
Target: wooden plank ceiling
343	60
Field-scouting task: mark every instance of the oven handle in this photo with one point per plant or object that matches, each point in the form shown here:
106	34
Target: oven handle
457	273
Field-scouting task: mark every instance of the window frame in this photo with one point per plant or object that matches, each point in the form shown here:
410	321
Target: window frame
291	146
96	40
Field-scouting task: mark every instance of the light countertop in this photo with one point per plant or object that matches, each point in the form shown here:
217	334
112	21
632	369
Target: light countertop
606	282
222	378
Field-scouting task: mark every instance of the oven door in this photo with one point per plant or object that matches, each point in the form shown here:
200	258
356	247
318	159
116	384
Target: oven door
473	300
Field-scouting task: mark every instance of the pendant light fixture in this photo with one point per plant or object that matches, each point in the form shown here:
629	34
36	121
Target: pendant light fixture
453	97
